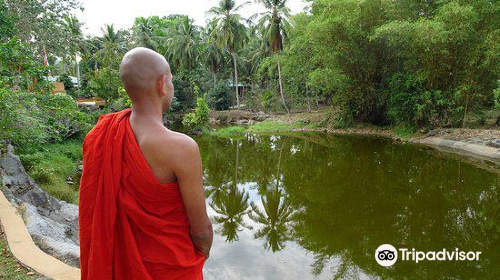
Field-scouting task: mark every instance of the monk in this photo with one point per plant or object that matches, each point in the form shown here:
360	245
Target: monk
142	211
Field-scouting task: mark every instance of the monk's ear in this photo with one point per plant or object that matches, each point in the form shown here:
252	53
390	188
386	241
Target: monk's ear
161	85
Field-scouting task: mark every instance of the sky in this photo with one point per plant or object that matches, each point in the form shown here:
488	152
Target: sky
122	13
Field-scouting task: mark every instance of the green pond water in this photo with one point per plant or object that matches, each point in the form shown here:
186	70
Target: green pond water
316	206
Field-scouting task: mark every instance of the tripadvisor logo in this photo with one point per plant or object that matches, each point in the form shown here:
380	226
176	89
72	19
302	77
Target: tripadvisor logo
387	255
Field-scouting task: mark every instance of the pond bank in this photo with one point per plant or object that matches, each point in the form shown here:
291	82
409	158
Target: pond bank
481	145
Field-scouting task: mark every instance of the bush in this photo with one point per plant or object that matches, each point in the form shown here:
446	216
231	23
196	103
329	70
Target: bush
51	164
106	84
30	120
200	116
220	97
410	105
496	94
68	83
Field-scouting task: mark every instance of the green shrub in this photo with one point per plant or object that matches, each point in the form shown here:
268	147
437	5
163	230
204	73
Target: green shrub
496	94
68	83
267	100
200	116
220	96
50	167
229	132
31	120
411	105
106	84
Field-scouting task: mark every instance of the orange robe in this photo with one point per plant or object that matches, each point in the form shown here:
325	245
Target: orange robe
131	225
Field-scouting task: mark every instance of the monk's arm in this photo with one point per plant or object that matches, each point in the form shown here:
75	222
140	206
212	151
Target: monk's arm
189	174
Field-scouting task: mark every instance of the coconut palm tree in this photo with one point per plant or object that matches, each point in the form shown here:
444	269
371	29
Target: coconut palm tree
182	43
74	27
230	32
275	22
212	56
277	213
113	42
231	206
275	218
142	33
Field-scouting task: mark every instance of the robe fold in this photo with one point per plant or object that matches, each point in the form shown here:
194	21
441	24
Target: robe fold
131	225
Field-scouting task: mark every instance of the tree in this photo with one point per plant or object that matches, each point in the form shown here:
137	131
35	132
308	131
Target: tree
275	218
182	44
113	44
274	22
230	32
40	24
74	27
211	55
142	33
231	206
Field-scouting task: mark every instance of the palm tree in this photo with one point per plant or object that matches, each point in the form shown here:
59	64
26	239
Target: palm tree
274	22
253	52
231	206
276	215
113	42
212	56
230	32
142	33
182	43
74	27
275	218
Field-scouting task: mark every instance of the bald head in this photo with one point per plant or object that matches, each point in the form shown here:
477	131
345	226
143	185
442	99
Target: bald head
142	71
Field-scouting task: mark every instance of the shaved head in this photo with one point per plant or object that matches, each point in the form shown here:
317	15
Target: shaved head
144	74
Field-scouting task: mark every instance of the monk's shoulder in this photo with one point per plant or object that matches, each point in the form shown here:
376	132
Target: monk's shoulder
173	145
180	144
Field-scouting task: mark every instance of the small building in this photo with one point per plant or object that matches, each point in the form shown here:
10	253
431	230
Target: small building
241	87
90	102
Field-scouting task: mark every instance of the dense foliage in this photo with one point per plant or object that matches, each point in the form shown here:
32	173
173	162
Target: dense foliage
31	120
409	63
414	62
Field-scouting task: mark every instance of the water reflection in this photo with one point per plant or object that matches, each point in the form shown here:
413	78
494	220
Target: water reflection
312	206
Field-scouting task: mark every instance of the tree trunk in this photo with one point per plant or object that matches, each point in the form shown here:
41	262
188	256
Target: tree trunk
317	100
281	88
215	79
78	75
465	111
235	82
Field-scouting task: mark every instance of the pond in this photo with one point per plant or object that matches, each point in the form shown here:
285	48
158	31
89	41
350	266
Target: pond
317	206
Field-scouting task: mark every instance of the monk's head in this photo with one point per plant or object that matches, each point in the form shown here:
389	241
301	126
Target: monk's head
147	78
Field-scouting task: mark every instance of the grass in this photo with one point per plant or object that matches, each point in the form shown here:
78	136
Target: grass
261	127
229	132
9	267
404	132
52	164
270	126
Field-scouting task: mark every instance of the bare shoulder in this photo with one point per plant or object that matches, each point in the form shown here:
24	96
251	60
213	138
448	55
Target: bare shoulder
169	145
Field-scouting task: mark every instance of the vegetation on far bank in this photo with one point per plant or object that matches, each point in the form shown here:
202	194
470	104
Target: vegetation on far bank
321	121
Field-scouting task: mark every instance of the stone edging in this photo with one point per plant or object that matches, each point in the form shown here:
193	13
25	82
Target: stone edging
473	150
24	249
